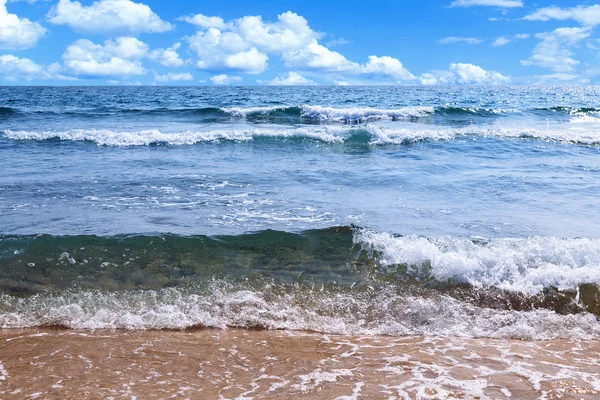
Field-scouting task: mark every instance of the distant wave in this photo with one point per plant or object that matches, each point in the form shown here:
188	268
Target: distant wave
367	134
308	113
568	110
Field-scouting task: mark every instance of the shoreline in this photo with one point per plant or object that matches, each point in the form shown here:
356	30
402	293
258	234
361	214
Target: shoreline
256	364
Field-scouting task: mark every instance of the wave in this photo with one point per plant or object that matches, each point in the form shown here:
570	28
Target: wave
347	255
310	113
342	280
302	113
567	110
379	312
7	111
368	134
519	265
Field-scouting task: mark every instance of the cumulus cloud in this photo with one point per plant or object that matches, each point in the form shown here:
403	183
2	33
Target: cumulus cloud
107	16
464	74
470	74
226	50
493	3
244	45
585	15
553	51
13	68
173	77
290	31
316	56
224	79
114	58
386	66
459	39
167	57
18	33
503	41
291	78
203	21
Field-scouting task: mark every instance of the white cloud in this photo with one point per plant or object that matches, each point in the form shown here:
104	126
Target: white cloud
251	61
224	79
205	22
291	79
171	77
438	77
459	39
289	32
428	79
585	15
316	56
473	74
553	51
108	15
13	68
244	44
386	66
18	33
464	74
218	50
493	3
502	41
114	58
338	42
12	65
167	57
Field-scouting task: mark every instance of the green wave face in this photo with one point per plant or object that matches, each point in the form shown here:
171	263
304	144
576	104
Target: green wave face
30	264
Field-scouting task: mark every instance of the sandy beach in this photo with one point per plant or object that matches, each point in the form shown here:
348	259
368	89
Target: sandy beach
262	364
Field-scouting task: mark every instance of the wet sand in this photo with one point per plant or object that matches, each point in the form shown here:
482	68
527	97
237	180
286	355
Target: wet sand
260	364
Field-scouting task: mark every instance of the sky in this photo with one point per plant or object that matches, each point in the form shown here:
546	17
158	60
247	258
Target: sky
299	42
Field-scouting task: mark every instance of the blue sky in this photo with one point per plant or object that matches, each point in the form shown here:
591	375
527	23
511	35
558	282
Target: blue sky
443	42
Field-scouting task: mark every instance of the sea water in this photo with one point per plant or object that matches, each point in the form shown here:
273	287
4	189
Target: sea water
461	211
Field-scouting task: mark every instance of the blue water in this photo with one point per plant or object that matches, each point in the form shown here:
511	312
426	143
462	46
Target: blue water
491	162
495	187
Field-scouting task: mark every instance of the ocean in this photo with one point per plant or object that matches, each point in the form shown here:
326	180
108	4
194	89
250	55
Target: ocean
466	215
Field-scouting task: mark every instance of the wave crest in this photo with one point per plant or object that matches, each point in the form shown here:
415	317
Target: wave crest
368	134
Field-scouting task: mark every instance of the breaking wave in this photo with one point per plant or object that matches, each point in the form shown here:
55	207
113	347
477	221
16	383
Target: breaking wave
368	134
342	280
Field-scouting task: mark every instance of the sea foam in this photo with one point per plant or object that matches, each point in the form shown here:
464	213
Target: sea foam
384	312
526	265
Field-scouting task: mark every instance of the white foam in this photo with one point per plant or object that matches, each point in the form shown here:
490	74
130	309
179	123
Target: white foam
523	265
339	114
242	112
364	113
375	134
3	372
384	312
106	137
